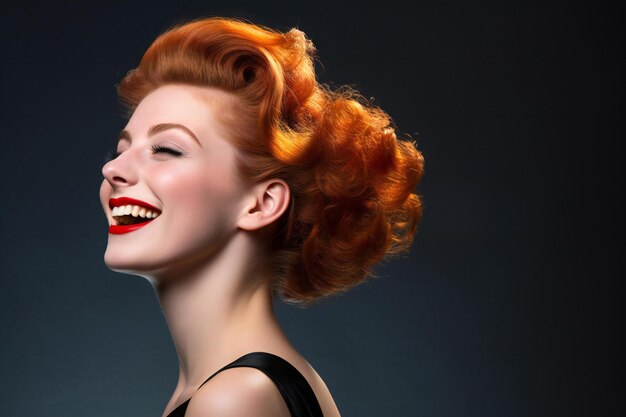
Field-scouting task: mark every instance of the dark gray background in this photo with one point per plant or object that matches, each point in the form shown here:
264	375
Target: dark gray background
507	304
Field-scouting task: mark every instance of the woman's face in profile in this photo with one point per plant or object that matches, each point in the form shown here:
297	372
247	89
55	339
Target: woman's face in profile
173	156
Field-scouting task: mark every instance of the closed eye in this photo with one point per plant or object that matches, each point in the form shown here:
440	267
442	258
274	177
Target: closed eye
165	149
110	155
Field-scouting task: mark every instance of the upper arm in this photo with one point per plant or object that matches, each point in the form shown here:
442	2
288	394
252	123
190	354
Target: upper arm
238	392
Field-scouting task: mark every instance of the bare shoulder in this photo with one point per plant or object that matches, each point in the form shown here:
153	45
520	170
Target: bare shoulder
238	392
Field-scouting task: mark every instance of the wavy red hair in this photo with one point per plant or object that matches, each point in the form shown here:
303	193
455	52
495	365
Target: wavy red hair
351	179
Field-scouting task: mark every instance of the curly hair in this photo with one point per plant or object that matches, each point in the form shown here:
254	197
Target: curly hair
351	179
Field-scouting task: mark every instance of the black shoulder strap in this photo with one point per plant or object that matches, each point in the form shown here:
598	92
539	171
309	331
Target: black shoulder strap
294	388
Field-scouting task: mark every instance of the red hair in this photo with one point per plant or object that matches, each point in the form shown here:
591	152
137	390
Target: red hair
351	179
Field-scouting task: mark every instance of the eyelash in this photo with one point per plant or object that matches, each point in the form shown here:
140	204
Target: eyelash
159	148
110	155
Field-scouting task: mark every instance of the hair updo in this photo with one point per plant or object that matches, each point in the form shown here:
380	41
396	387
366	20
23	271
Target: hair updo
351	179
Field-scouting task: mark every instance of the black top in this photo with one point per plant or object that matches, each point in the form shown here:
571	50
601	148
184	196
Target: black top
292	385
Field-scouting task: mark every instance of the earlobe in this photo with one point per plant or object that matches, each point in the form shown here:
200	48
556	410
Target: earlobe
267	202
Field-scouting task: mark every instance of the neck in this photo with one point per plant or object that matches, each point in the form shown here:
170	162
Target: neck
218	311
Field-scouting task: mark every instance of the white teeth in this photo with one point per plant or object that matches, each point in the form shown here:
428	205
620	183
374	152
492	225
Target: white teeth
135	211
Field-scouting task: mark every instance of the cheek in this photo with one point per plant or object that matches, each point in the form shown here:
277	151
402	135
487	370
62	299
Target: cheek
200	192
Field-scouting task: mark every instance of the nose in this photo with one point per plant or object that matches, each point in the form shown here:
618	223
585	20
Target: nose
120	171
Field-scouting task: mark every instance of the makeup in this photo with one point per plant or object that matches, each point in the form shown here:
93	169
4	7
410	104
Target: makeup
118	229
121	203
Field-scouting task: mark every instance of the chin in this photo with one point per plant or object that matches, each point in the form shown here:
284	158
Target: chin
161	264
127	263
153	270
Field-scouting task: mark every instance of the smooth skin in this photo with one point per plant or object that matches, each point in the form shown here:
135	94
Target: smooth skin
203	253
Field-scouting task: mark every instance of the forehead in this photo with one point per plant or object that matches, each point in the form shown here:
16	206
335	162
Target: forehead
198	108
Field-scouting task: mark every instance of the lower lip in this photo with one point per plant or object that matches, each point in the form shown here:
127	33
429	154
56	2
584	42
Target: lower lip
118	229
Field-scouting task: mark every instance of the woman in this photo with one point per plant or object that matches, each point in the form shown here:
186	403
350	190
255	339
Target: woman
238	177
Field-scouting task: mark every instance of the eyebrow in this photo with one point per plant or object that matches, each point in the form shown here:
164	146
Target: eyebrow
161	127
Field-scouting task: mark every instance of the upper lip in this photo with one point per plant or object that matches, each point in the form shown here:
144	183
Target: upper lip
124	201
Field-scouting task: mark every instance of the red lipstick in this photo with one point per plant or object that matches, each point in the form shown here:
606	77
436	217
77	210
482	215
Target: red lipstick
124	201
118	229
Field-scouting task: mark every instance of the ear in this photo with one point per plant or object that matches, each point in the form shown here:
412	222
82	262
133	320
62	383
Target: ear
266	202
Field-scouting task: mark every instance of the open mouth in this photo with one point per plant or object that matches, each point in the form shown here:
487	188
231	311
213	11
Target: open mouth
132	214
129	214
